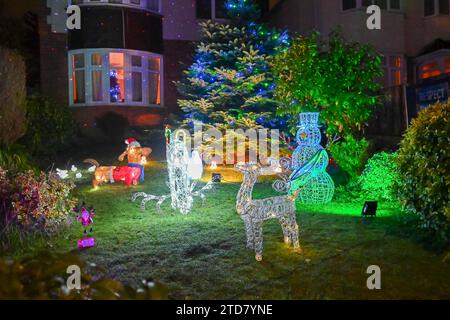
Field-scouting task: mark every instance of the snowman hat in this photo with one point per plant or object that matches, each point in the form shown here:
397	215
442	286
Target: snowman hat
308	119
131	142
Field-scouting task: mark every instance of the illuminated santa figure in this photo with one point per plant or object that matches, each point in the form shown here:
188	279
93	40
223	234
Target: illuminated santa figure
136	155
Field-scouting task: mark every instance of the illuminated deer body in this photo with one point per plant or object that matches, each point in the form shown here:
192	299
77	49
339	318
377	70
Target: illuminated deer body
255	212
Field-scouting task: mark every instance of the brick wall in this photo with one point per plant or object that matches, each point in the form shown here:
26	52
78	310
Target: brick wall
53	59
136	116
177	56
389	121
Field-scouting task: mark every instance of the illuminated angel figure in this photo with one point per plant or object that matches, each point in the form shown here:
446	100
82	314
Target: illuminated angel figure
180	183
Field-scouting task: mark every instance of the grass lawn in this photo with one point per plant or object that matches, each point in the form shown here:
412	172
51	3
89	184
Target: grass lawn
203	254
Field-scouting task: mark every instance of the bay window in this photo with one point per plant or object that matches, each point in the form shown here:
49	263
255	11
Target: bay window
115	77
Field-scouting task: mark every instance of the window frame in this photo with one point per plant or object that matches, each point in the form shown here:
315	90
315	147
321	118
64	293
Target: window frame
213	12
143	4
437	9
128	70
361	6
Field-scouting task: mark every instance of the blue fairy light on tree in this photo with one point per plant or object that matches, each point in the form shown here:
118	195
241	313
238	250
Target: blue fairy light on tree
231	74
114	86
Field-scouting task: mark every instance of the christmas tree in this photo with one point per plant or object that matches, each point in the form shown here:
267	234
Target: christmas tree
230	84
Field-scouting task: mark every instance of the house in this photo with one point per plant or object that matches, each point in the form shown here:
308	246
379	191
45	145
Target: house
414	41
124	59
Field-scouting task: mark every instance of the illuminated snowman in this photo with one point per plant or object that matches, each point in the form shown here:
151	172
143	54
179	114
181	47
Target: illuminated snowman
320	186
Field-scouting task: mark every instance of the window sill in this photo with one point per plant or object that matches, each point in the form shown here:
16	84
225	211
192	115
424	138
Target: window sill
437	16
213	20
118	105
364	10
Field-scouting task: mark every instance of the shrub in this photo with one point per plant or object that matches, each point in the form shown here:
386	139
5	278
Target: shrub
15	157
423	163
6	209
44	277
35	202
51	127
350	155
113	125
12	96
379	177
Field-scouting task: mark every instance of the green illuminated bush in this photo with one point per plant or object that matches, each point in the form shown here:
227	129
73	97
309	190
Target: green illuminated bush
350	155
44	277
330	75
379	177
424	168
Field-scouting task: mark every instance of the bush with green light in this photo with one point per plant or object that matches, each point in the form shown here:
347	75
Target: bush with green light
424	169
379	177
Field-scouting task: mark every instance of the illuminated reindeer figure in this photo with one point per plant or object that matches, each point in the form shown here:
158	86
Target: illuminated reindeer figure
255	212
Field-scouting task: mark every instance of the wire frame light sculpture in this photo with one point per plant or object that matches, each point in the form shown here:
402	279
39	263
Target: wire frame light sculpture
180	184
312	158
255	211
283	183
306	172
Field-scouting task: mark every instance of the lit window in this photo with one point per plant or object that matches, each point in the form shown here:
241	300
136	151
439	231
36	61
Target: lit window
447	65
115	77
96	62
78	78
154	80
136	78
395	63
430	70
393	70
